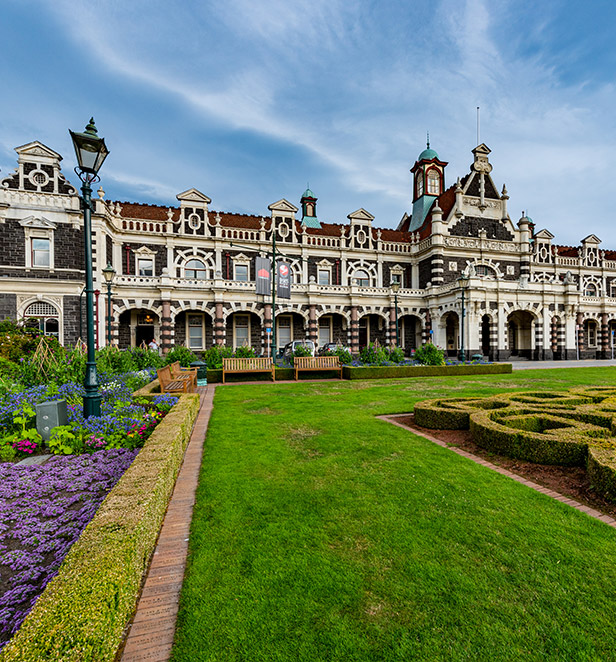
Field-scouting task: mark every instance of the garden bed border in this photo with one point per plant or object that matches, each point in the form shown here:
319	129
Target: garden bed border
377	372
83	612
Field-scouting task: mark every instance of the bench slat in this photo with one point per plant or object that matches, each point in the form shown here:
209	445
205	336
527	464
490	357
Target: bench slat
235	365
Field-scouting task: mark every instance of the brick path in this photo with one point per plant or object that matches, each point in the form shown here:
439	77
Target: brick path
505	472
151	633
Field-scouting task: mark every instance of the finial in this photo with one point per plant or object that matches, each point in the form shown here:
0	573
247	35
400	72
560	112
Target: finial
91	128
427	139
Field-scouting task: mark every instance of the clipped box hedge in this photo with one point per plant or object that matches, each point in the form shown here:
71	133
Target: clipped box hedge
576	427
83	612
397	372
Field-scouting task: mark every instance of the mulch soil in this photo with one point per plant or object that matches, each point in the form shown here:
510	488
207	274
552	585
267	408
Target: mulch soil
572	482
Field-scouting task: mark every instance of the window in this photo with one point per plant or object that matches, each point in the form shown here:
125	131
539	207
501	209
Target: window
613	290
434	183
325	331
195	332
362	278
396	278
145	266
590	290
419	183
195	269
481	270
591	334
241	331
241	272
284	330
43	316
40	252
324	276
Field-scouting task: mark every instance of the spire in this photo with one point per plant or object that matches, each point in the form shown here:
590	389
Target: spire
427	140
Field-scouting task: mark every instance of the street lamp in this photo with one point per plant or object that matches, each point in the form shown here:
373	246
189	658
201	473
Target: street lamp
109	274
91	151
395	286
463	283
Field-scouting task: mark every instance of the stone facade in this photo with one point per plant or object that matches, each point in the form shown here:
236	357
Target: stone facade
186	274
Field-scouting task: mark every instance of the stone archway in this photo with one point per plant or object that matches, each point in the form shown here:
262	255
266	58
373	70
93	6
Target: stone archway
520	334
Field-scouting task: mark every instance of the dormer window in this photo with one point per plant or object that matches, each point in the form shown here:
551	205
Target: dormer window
434	182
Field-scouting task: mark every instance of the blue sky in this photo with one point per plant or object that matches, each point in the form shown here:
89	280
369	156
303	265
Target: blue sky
250	101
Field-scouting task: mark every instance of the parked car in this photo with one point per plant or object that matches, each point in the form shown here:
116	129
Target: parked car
289	348
331	347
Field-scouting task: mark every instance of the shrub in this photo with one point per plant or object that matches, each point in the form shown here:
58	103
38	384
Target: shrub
244	352
215	354
345	357
374	354
396	355
182	354
429	354
300	350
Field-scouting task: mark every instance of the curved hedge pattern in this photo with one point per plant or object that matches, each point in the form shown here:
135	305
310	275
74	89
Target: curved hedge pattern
576	427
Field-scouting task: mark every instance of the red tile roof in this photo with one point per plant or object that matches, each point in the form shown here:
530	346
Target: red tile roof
567	251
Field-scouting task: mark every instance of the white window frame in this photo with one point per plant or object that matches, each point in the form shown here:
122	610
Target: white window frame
329	320
357	279
326	271
591	333
44	317
248	338
203	269
241	261
142	259
285	318
201	316
34	251
433	176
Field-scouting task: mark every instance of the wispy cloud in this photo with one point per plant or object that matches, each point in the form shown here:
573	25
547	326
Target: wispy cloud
354	87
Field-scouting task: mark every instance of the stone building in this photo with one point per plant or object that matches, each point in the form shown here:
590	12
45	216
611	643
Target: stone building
186	274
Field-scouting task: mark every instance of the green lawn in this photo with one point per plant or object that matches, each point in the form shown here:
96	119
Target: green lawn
322	533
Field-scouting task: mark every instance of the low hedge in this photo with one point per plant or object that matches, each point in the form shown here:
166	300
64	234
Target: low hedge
396	372
84	610
572	428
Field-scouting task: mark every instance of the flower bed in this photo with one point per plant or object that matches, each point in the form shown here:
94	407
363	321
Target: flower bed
572	428
125	422
43	510
83	612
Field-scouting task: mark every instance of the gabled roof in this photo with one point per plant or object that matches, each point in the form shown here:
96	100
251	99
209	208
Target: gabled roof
544	234
361	215
193	195
36	148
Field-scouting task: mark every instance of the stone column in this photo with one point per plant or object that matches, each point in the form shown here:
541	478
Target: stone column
579	320
166	328
605	337
313	332
394	341
219	325
427	327
354	330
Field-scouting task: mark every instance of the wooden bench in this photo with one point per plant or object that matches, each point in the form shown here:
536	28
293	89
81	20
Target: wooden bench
247	365
177	372
170	384
316	363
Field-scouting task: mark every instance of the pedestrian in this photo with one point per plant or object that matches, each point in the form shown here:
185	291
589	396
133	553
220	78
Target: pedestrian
153	345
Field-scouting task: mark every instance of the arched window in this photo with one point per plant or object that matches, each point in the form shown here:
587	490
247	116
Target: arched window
362	278
481	270
434	183
590	290
195	269
419	183
43	316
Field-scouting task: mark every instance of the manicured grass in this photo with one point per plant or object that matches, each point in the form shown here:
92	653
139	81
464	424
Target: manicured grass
322	533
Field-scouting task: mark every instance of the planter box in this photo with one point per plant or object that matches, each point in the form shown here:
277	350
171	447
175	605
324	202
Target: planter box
83	612
398	372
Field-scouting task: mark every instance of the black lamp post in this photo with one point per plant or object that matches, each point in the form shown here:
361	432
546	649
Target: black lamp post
91	151
463	283
395	286
109	274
